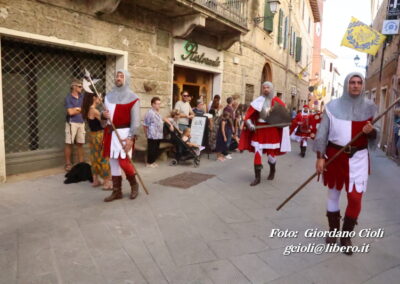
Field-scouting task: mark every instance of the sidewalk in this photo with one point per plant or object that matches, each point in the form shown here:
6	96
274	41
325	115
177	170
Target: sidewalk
214	232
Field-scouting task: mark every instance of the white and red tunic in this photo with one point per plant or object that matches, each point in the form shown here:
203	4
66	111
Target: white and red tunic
345	171
121	117
274	140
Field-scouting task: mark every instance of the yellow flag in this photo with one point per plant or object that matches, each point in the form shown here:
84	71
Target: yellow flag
363	38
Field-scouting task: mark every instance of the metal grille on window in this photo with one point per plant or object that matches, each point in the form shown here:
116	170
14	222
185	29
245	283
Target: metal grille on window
36	80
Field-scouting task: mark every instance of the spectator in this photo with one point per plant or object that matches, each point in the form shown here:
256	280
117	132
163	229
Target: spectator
230	134
186	138
74	126
185	111
199	109
222	138
153	129
397	132
216	105
172	121
294	113
100	165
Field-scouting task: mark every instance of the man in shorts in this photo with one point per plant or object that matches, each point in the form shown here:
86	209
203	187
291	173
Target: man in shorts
74	126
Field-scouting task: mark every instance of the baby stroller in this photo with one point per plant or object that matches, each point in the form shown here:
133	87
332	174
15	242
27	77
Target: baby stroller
182	151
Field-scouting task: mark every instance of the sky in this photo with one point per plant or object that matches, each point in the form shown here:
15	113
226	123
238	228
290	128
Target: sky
336	18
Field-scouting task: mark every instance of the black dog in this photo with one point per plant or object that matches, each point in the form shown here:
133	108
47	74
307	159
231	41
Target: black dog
79	172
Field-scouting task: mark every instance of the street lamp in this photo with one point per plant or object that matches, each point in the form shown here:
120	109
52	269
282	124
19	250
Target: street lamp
357	60
273	6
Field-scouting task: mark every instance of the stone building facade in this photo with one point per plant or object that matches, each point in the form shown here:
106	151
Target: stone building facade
206	47
382	79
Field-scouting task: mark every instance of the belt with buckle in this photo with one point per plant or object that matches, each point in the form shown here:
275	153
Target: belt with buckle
349	150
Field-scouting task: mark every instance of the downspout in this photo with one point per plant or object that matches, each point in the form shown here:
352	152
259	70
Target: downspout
288	51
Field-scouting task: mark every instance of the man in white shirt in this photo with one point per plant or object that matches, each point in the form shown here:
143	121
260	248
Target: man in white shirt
185	111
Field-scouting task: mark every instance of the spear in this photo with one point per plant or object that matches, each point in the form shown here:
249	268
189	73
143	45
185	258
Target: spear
87	75
338	153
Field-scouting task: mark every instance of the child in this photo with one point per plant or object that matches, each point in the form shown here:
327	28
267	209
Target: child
222	147
186	138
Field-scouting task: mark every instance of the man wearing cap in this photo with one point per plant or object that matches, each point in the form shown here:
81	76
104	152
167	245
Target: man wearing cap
74	126
123	109
260	139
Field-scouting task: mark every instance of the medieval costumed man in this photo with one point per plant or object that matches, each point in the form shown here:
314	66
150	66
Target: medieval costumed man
123	109
303	127
259	138
342	120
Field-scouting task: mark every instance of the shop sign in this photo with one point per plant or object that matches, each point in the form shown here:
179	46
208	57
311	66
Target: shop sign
192	54
197	129
390	27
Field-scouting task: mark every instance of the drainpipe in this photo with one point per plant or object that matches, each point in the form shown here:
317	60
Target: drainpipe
288	51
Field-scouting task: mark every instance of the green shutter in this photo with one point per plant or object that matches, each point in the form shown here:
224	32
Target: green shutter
268	18
280	27
298	49
285	34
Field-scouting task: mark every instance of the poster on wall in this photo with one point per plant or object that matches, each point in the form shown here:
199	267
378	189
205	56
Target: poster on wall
198	127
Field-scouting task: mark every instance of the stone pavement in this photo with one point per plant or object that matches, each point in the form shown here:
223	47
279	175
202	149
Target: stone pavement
215	232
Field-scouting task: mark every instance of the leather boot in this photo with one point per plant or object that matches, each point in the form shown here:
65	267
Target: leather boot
134	186
257	173
117	192
334	223
303	151
271	171
348	226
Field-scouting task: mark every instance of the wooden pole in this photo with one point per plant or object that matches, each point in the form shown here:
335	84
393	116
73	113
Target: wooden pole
336	155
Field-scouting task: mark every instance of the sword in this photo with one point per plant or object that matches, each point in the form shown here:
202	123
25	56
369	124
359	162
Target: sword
338	153
87	75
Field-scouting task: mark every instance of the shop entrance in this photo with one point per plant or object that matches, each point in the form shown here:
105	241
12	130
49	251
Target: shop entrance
197	83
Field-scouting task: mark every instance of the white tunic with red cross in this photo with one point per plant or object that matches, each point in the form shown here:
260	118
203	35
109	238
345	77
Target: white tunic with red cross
345	171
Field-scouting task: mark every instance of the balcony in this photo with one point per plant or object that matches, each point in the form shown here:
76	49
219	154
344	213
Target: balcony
234	10
215	23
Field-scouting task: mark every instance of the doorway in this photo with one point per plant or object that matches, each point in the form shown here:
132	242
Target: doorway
197	83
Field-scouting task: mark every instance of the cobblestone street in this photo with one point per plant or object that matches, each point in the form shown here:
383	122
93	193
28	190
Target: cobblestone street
214	232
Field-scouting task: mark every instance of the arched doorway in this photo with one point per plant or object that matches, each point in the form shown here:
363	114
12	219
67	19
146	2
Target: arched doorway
266	73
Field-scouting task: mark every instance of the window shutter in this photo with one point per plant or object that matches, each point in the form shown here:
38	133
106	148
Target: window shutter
286	34
298	49
292	43
280	30
268	18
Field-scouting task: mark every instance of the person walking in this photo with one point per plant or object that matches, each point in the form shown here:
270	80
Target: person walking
257	138
342	120
99	164
153	129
